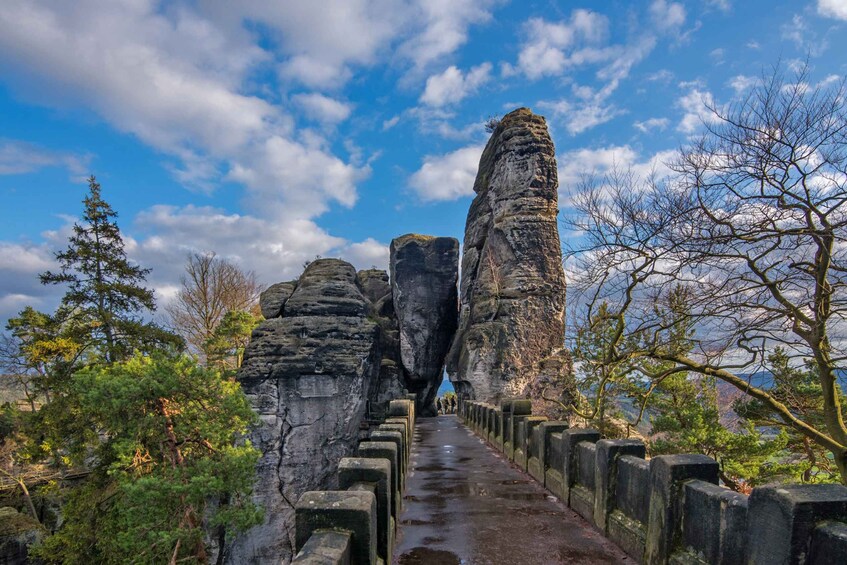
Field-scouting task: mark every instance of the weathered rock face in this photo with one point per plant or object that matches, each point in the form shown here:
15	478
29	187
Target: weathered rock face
18	532
308	376
424	272
513	286
390	385
272	300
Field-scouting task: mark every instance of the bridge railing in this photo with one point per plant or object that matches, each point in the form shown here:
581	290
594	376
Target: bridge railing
669	509
357	523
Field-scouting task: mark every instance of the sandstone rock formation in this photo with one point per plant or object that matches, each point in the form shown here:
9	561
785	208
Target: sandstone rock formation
390	385
272	300
512	296
308	375
424	272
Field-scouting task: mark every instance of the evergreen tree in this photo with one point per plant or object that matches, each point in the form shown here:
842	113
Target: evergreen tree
159	436
105	297
798	388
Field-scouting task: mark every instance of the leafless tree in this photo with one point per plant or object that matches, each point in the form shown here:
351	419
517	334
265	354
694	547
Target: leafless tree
753	221
211	287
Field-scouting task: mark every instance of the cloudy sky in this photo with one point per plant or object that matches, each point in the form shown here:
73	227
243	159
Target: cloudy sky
272	135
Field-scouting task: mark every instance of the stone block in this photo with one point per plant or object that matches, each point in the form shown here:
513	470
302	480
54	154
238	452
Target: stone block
405	421
540	444
714	522
632	495
343	511
399	408
524	443
388	451
553	477
509	446
396	437
401	429
521	407
667	475
494	426
781	520
829	544
353	470
325	547
570	472
606	475
489	423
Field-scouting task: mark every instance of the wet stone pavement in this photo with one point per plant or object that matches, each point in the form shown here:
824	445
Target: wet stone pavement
465	504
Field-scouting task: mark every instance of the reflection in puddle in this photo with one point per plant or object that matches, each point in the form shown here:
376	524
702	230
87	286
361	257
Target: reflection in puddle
426	556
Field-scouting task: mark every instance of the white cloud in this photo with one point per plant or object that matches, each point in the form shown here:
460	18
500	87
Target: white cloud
573	165
320	41
651	124
20	265
306	175
722	5
443	28
447	177
581	115
275	251
553	47
805	38
833	9
664	76
390	123
18	157
176	80
740	83
695	105
323	108
452	86
366	254
667	15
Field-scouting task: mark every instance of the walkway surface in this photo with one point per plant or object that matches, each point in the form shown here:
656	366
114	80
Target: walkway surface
465	504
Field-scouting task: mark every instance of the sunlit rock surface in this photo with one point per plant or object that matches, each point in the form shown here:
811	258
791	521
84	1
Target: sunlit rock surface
512	295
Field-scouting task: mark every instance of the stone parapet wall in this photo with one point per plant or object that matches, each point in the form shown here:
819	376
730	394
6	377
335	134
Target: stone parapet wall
357	524
669	509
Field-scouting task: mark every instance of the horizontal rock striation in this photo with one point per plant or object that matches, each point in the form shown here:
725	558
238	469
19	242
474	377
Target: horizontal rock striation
390	385
512	294
308	374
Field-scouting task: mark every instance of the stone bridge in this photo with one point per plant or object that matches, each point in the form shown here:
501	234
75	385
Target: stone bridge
498	485
346	360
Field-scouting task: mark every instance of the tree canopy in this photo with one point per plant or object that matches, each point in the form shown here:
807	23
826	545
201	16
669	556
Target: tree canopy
753	223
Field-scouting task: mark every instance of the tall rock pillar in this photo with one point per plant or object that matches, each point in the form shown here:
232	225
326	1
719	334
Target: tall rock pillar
424	273
512	294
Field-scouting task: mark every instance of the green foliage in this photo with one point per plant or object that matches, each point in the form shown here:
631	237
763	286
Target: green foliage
799	389
105	296
689	419
225	349
160	436
602	382
686	413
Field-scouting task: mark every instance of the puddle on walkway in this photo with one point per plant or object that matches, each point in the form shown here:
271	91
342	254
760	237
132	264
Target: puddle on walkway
427	556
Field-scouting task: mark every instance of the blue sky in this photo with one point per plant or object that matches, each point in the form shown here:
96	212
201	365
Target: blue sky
272	135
